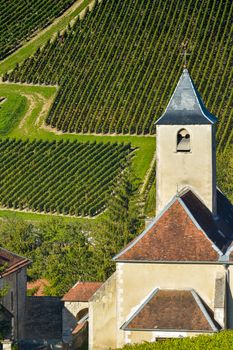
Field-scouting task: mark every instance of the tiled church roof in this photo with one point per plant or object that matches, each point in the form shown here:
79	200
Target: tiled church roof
219	229
82	291
11	262
172	310
186	106
184	231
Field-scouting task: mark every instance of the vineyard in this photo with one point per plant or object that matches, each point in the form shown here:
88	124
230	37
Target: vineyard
63	177
11	111
20	19
118	67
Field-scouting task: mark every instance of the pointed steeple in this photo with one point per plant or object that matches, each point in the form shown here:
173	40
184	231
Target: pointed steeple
185	106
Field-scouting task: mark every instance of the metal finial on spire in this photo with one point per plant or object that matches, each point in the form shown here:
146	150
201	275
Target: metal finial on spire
184	46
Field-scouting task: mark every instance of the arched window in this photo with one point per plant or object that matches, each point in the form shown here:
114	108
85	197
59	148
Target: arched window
81	314
183	141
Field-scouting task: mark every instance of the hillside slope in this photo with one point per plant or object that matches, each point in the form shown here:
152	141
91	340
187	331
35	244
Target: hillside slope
118	67
60	177
20	19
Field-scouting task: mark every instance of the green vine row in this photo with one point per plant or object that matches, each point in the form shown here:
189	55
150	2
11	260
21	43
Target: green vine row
63	177
118	67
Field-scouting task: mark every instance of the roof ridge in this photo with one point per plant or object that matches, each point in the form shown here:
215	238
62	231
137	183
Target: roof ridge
186	105
199	99
15	254
135	311
198	225
203	309
200	221
15	267
138	238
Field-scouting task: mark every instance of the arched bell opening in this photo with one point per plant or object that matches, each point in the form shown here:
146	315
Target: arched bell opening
183	141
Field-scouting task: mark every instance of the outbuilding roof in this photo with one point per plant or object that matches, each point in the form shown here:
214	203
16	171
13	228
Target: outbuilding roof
172	310
11	262
185	230
82	291
39	286
185	106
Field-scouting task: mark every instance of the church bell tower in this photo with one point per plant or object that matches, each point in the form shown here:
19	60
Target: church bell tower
186	150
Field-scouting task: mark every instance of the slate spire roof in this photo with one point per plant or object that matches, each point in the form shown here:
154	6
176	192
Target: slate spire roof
171	310
186	106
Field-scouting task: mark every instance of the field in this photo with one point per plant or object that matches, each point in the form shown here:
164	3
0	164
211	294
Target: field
112	71
60	176
21	19
105	78
12	108
41	37
30	126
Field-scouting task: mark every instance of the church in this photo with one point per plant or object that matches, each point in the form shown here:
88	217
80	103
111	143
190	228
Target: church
176	278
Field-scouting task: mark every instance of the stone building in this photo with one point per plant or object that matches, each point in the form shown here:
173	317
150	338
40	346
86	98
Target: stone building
75	312
13	279
176	278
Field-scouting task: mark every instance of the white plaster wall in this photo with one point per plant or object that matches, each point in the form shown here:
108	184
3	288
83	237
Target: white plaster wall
102	317
137	280
229	300
176	170
6	345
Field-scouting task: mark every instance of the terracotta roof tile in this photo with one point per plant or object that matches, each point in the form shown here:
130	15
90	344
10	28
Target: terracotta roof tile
172	310
82	291
39	285
11	261
173	237
185	230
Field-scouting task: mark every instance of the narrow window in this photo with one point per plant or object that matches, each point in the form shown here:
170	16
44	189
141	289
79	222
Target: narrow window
161	339
183	141
12	300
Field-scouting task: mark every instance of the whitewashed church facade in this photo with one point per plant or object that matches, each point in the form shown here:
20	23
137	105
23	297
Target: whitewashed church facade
176	278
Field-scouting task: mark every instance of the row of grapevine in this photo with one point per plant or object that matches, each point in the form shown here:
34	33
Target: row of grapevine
60	176
20	19
118	67
217	341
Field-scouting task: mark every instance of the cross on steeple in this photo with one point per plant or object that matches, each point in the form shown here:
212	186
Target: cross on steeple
184	53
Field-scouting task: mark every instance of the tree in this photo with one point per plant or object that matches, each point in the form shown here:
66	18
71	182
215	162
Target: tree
64	252
67	258
120	225
225	172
